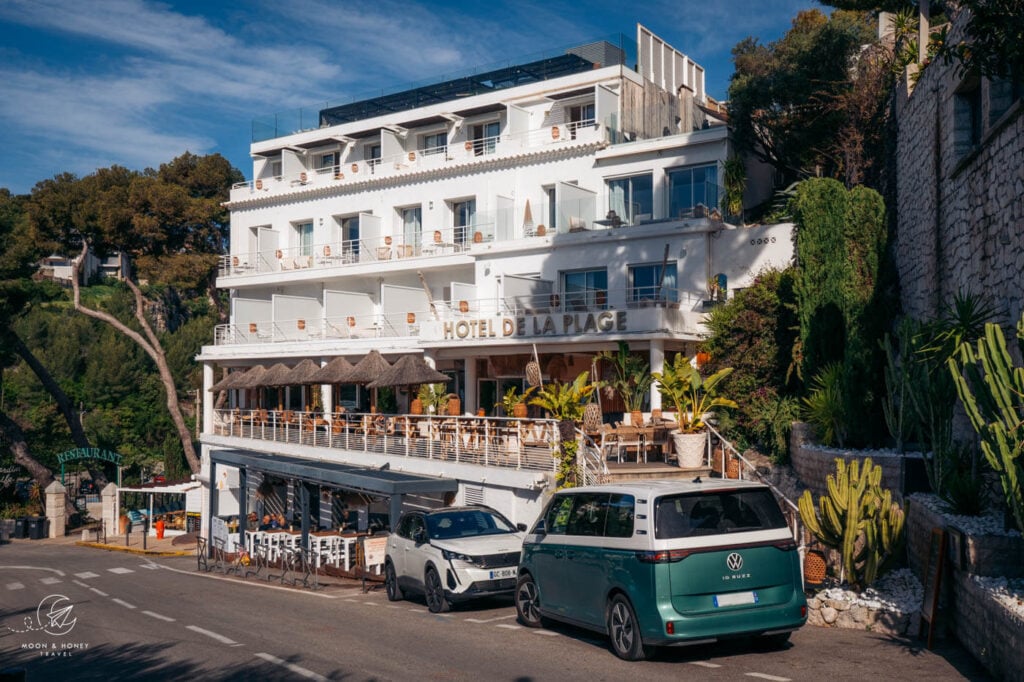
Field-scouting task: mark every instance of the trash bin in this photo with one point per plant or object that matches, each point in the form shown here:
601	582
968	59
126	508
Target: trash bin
20	527
36	527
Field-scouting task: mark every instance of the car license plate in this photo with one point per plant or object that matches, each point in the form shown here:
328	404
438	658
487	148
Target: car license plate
504	573
735	599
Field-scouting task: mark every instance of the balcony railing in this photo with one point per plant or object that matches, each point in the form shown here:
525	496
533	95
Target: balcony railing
651	308
525	444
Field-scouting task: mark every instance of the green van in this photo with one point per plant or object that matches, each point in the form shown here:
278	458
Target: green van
663	562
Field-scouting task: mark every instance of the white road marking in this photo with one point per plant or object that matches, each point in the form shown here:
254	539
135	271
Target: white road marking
509	626
211	634
123	603
547	633
369	603
50	581
763	676
120	570
159	617
705	664
15	586
36	568
80	583
489	620
150	566
86	575
99	592
298	670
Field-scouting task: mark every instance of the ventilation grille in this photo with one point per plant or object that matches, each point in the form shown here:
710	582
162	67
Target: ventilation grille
474	494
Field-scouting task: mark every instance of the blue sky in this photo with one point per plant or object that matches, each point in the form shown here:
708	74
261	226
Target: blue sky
87	84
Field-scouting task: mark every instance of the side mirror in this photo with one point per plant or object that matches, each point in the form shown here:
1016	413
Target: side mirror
521	527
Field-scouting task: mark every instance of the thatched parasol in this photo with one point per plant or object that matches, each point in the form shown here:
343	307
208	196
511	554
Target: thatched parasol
334	372
302	375
368	369
229	382
251	378
277	376
410	370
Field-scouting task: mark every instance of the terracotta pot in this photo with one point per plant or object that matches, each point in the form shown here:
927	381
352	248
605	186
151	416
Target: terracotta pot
519	410
122	526
454	406
732	466
815	567
481	412
478	237
416	406
541	230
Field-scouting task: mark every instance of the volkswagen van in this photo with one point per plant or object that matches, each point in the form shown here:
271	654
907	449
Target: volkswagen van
663	562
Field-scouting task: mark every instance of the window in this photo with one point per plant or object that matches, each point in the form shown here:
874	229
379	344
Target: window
557	518
434	143
275	168
372	156
327	163
688	187
412	224
552	208
591	514
304	232
1002	93
580	116
647	284
463	220
585	289
485	138
631	197
350	236
736	511
967	117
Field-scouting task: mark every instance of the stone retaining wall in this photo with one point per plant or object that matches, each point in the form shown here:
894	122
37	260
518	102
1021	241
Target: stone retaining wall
988	630
836	613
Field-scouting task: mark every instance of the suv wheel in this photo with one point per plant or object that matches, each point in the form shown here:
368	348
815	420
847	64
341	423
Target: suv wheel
624	630
528	602
434	590
391	583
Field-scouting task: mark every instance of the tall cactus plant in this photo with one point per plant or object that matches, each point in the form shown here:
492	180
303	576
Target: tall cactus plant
858	518
991	389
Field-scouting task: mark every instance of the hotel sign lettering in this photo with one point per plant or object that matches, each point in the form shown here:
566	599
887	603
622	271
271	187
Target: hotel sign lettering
536	325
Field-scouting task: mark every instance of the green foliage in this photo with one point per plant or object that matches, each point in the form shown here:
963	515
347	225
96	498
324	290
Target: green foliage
843	311
691	395
632	376
433	396
858	518
993	40
795	101
769	419
513	397
991	389
565	401
735	182
824	408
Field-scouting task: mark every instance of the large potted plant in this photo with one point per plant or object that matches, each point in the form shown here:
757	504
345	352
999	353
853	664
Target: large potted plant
694	397
514	402
632	380
432	397
566	403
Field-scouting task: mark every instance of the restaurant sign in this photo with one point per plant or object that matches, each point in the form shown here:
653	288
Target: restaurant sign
536	325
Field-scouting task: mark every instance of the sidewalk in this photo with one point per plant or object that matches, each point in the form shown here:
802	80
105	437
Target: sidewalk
179	545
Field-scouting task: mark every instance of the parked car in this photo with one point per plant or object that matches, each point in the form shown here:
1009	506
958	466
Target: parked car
656	563
452	554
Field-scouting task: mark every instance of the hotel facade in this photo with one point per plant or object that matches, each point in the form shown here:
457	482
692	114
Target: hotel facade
540	211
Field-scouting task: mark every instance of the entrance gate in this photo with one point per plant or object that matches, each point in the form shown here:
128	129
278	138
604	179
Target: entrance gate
89	453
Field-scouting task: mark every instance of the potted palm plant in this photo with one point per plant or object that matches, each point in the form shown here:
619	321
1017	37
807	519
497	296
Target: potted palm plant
693	397
566	402
632	380
514	402
432	397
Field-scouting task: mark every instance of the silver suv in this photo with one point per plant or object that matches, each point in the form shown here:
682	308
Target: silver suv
452	554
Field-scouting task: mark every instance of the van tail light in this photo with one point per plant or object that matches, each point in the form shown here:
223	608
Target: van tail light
670	627
665	556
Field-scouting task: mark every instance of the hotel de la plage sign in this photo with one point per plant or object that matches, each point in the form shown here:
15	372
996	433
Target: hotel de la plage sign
565	324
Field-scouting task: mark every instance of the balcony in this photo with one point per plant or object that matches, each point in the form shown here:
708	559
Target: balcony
519	444
458	153
524	317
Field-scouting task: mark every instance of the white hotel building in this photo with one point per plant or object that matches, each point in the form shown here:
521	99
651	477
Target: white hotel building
553	207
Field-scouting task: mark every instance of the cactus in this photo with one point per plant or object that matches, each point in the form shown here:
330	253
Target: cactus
991	389
858	518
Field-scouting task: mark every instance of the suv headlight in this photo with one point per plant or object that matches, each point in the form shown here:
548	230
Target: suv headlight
449	555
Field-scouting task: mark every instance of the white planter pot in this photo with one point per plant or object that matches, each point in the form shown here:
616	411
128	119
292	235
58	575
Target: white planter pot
690	449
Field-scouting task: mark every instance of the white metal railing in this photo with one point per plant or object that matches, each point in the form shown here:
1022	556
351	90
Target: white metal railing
499	442
455	152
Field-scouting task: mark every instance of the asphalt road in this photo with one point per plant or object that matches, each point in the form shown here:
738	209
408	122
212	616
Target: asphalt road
134	618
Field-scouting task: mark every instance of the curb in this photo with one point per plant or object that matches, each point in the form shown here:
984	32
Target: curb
132	550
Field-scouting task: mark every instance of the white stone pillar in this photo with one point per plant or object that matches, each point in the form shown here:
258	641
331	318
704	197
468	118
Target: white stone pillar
472	395
56	505
111	514
206	397
657	365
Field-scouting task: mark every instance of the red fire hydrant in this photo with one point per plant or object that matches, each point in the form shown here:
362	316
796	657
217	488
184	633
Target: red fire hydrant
160	525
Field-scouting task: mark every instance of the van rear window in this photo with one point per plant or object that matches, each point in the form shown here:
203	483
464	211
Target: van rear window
715	513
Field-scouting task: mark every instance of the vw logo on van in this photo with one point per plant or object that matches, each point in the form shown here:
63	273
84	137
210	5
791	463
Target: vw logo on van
734	561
